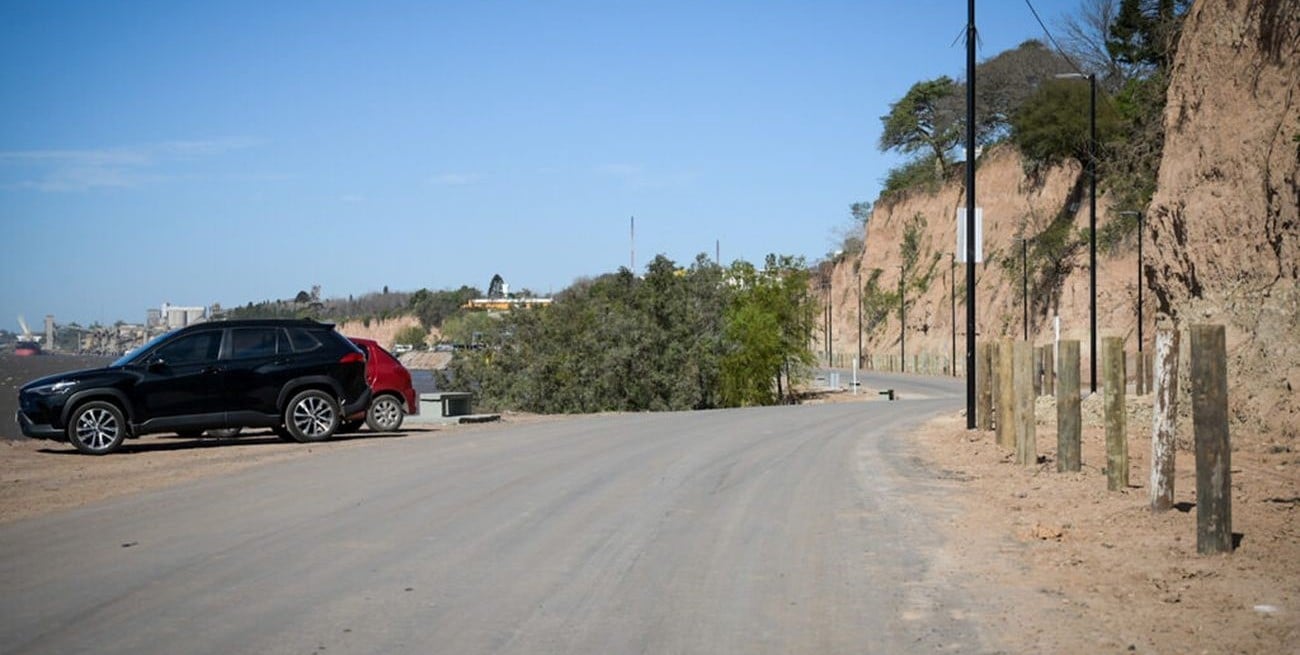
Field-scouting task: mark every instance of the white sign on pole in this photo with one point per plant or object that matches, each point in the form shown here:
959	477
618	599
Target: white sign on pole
979	235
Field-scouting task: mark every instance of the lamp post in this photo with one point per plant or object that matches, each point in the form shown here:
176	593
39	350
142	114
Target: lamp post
902	319
952	296
1024	281
1092	217
858	281
1141	275
826	317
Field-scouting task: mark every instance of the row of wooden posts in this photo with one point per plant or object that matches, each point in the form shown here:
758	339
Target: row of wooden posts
1010	374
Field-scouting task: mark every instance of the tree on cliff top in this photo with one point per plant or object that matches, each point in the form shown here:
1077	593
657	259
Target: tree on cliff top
924	120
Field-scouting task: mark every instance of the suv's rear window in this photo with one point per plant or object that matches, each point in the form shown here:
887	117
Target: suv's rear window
253	342
303	340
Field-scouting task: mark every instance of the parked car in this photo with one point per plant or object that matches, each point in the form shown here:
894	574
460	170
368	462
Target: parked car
298	377
392	394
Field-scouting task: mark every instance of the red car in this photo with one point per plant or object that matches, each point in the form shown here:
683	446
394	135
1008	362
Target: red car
392	397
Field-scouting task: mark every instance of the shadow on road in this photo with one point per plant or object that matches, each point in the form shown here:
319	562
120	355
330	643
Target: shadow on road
170	442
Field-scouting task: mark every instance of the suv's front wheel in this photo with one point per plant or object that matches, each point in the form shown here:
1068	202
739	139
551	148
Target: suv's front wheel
311	415
96	428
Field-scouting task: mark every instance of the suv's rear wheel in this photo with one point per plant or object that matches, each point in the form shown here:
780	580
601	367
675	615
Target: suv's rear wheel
311	415
96	428
385	414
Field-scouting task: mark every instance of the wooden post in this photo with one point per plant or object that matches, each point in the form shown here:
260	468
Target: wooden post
1140	375
1116	421
1069	417
1049	372
1164	411
1036	369
1006	395
1026	444
1151	365
983	386
995	381
1209	378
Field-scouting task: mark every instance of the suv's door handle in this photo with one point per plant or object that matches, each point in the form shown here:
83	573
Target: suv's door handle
211	369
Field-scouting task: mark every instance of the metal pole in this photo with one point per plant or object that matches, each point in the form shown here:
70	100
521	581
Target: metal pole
902	320
1140	282
858	282
1140	275
952	296
1092	221
1024	280
970	215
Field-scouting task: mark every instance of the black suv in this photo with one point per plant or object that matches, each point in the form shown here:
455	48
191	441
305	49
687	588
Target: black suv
298	377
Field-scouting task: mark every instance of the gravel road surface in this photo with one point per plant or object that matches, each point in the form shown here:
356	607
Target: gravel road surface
806	529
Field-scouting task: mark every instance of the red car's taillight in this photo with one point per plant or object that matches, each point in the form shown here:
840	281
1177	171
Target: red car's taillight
351	358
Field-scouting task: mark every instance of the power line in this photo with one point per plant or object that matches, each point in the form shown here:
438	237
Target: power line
1059	49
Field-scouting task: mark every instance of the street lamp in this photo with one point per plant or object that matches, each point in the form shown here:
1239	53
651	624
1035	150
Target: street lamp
826	317
1092	215
902	319
1024	280
1140	272
952	296
858	282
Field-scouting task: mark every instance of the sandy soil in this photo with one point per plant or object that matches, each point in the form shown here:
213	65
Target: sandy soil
1070	567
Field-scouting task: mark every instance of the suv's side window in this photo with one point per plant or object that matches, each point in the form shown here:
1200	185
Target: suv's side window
253	342
192	349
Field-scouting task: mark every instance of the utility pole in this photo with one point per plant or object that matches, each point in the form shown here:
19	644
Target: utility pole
902	319
632	243
1092	216
970	215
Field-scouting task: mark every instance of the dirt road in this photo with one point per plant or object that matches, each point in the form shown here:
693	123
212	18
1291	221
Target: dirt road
789	529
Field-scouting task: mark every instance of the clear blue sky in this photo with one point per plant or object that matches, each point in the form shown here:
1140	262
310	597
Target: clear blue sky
240	151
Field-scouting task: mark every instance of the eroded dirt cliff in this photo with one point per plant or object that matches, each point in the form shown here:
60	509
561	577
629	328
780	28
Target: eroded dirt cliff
1222	238
1224	228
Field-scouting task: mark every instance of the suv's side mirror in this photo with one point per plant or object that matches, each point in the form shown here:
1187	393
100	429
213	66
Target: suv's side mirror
156	364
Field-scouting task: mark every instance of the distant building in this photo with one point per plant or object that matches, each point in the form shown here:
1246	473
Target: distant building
153	318
175	316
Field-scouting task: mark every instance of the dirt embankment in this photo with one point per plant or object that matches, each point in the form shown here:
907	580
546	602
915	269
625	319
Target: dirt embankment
1225	221
1222	233
384	331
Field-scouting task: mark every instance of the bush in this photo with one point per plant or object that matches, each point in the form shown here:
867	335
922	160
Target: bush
920	173
411	335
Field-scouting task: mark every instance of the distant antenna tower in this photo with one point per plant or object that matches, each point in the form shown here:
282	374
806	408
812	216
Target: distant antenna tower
633	244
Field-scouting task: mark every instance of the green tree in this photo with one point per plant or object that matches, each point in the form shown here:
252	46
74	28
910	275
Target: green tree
924	121
1006	82
469	327
1053	124
622	343
768	328
433	307
411	335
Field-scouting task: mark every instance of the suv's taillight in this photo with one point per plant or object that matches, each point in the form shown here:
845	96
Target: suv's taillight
351	358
